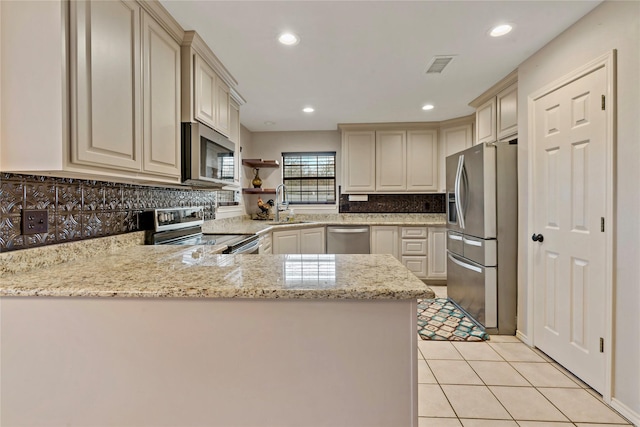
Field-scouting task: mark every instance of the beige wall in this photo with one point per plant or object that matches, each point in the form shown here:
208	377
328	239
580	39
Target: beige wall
270	145
612	25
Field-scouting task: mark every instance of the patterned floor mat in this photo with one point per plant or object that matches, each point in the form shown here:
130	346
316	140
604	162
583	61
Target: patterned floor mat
440	320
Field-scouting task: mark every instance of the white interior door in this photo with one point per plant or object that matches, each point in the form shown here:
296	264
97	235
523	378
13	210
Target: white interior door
569	202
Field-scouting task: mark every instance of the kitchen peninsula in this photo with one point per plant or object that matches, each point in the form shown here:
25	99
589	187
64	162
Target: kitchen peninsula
174	335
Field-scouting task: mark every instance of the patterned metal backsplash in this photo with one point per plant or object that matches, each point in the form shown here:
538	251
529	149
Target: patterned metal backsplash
82	209
395	203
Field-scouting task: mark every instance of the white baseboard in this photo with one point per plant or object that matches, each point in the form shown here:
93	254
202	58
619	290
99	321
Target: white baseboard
626	412
522	337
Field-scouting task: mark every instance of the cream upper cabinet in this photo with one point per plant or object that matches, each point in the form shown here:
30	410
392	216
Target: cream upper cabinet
223	109
455	135
437	250
211	98
234	135
497	110
106	101
391	159
206	86
161	94
507	112
385	240
114	85
359	161
422	160
406	161
486	122
206	92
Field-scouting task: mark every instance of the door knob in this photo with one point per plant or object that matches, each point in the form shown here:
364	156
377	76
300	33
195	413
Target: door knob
537	237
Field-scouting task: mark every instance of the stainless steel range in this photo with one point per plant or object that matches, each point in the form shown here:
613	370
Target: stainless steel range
183	226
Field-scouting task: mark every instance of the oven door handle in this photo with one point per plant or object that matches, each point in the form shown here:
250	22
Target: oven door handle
248	248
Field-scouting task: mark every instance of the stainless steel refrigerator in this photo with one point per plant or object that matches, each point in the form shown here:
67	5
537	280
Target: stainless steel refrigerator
482	211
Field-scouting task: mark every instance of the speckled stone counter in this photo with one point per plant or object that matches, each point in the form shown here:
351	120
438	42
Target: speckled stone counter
198	271
244	225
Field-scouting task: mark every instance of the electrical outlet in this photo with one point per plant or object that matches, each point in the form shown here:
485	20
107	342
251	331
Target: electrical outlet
35	221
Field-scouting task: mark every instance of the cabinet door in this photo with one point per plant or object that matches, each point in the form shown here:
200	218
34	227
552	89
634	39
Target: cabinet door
384	240
391	159
486	122
106	103
359	162
422	160
161	71
234	136
286	242
223	113
453	140
507	104
417	265
206	91
437	254
312	241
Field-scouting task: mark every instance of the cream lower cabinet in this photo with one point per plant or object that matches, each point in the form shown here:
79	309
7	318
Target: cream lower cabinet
264	247
384	240
414	250
437	249
303	241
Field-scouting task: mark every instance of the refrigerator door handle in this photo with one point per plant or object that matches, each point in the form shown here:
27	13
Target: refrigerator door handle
464	264
457	191
472	242
455	237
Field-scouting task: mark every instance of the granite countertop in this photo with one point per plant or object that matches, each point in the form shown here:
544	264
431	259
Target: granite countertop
197	271
248	226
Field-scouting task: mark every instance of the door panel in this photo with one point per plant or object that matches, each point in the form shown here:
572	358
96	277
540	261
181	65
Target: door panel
569	192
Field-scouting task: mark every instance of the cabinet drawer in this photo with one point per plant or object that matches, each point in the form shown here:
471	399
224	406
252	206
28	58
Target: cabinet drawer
414	246
414	232
416	264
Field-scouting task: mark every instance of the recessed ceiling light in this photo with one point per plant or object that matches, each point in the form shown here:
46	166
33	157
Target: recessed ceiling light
427	107
289	39
500	30
269	123
308	110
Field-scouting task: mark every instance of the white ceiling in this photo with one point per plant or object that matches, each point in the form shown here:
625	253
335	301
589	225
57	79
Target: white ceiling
365	61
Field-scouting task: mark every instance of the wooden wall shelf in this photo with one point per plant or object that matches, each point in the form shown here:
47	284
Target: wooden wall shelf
259	191
260	163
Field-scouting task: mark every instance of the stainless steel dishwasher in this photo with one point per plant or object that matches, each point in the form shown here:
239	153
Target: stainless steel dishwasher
348	239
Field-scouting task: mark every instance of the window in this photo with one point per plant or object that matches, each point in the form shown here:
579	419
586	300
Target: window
310	177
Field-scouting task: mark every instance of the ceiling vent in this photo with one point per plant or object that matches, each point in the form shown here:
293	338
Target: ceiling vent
438	63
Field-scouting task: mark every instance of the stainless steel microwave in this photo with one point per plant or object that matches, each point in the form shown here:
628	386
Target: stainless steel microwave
208	157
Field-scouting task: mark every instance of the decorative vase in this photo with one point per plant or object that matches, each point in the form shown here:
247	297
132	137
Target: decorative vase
256	181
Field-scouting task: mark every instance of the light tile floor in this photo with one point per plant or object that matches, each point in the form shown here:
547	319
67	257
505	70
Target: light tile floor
501	383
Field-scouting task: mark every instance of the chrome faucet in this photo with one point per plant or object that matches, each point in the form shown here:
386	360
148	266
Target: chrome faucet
281	205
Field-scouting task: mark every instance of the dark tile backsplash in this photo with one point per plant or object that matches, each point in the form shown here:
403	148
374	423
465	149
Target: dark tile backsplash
83	209
395	203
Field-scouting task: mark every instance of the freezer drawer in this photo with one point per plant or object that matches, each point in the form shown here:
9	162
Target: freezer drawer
474	288
454	242
481	251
